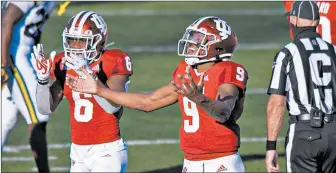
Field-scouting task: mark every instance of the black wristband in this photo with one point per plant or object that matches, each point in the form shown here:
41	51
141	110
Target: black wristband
43	82
270	145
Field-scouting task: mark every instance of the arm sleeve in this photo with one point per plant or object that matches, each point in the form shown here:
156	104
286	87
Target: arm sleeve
47	97
43	99
24	6
278	82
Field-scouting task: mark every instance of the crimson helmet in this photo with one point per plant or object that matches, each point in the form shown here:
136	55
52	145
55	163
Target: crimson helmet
90	30
207	39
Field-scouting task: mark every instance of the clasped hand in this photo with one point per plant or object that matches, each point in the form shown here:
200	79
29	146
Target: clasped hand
192	91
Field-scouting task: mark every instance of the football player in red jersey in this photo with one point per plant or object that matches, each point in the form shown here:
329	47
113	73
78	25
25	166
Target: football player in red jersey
95	135
210	90
327	25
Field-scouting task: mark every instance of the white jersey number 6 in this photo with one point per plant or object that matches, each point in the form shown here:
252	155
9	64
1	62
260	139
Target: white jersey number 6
86	116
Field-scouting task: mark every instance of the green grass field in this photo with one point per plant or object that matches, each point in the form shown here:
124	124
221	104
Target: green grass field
152	70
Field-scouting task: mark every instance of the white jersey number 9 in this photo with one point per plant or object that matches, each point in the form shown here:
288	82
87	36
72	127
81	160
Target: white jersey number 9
190	109
240	74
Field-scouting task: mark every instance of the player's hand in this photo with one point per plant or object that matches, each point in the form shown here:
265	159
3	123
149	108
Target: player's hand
271	161
190	90
4	75
76	62
43	64
88	84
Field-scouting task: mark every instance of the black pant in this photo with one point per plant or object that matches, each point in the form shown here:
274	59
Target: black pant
311	149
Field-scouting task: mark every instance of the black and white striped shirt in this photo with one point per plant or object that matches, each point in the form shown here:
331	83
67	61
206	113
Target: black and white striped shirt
290	76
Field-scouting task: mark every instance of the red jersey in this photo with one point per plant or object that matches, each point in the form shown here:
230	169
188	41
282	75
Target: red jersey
201	136
90	120
327	26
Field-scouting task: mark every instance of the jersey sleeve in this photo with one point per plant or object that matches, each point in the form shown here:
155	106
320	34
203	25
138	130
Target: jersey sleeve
24	6
55	65
234	74
278	83
123	65
176	71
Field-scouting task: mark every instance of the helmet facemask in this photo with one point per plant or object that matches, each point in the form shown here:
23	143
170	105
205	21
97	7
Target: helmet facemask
83	45
194	46
194	43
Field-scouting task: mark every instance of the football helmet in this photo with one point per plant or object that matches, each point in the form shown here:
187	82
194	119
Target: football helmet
85	35
207	39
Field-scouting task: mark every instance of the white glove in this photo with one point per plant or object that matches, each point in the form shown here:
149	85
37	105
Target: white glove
75	62
43	64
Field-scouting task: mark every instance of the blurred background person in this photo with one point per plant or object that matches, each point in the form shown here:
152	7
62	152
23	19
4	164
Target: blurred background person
327	25
21	29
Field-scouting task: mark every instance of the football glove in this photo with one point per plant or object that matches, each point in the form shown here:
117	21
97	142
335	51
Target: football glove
76	62
43	65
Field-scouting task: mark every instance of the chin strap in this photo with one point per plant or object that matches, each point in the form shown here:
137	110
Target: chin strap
194	61
109	44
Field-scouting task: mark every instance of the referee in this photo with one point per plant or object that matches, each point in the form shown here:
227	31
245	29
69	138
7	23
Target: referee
304	80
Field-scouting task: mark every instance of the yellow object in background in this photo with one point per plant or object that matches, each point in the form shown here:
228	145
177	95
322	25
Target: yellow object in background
62	8
4	75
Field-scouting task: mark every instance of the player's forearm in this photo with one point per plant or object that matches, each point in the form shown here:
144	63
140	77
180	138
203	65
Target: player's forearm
48	97
219	109
275	115
130	100
44	99
119	89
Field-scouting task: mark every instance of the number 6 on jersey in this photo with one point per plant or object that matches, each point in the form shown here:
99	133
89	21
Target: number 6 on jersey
82	103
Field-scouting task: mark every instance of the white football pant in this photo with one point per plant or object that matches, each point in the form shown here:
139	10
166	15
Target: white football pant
8	114
106	157
231	163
